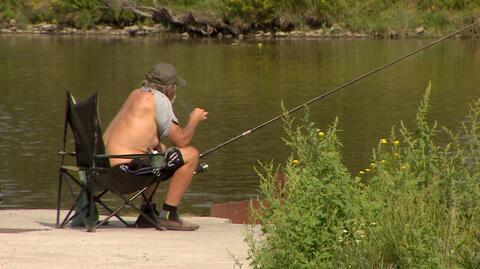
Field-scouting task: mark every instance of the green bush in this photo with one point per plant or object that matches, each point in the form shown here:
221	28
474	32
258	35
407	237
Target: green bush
252	11
426	197
89	13
78	13
417	205
10	9
306	216
368	15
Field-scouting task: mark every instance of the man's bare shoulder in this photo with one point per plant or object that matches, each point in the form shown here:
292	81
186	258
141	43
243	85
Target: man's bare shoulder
141	100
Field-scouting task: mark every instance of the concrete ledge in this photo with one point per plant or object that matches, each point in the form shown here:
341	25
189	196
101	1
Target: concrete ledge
28	239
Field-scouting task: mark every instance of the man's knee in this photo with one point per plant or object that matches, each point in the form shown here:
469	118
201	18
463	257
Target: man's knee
190	154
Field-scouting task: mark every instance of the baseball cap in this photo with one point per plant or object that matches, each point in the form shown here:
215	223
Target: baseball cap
164	74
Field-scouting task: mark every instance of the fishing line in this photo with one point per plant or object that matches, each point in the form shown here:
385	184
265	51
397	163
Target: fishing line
380	68
247	132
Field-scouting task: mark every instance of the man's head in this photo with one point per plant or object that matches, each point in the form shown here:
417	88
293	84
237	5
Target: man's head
163	77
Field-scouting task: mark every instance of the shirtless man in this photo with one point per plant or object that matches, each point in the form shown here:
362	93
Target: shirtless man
144	120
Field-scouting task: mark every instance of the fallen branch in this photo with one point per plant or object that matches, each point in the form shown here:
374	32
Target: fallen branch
187	23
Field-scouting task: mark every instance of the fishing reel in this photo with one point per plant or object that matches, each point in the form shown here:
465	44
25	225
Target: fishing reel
201	168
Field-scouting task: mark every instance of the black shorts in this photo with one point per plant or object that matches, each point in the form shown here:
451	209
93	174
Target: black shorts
141	166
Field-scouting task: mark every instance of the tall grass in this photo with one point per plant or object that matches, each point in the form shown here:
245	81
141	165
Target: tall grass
379	16
417	205
368	15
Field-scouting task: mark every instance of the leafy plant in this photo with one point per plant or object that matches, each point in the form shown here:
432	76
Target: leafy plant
417	204
304	222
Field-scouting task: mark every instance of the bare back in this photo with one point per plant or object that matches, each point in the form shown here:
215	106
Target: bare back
133	130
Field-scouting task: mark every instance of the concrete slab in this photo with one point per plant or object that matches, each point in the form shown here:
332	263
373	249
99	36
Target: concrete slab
28	239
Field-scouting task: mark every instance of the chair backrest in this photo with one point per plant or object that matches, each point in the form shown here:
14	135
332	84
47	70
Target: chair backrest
82	117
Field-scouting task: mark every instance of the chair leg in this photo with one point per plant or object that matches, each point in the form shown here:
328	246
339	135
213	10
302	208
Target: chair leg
67	218
59	193
154	222
65	176
142	192
83	216
91	195
127	202
100	202
107	218
111	211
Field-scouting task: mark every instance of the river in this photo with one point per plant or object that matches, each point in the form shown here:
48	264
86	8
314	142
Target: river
241	85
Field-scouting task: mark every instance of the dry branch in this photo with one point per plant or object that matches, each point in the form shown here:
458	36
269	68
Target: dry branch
187	23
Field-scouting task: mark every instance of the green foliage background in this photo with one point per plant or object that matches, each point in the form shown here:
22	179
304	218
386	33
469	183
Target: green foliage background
379	16
417	205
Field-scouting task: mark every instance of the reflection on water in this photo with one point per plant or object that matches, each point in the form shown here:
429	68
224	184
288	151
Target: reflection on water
241	87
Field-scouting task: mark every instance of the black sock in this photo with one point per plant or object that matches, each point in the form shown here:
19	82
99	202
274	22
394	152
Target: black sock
172	211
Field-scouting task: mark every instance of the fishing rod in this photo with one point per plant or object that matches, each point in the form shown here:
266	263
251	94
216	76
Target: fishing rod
380	68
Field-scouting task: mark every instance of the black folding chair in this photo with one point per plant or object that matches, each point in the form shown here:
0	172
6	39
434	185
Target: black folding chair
95	178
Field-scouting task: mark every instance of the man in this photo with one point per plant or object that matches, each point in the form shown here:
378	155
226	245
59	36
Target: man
144	120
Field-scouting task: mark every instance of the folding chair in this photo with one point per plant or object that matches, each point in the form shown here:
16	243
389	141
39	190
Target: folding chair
95	177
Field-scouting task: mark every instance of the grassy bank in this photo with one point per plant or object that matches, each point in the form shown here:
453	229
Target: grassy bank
415	205
369	16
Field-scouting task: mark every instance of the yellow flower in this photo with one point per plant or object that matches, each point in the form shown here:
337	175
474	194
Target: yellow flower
396	142
367	170
403	167
372	165
383	141
384	162
396	155
321	134
361	172
295	161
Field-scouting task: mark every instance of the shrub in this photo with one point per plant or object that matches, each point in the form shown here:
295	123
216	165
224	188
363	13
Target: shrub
306	217
88	13
78	13
417	205
426	197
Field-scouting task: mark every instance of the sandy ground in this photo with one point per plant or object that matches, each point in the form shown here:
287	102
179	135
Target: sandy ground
28	239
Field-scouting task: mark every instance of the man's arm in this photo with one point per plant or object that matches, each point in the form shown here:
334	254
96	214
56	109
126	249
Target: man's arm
182	137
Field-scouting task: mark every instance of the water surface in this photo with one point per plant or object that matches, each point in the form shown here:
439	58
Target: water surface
241	87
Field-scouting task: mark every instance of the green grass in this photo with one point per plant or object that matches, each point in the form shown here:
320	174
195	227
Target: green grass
372	16
417	205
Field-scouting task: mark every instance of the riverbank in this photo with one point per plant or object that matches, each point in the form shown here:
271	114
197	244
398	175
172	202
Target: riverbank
240	18
334	31
29	240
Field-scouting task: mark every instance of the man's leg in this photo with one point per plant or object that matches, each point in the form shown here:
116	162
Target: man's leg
179	184
182	178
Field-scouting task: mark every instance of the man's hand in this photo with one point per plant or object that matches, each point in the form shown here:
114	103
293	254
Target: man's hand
198	115
182	137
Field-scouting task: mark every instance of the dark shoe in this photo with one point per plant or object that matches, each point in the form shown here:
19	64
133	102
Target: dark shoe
151	211
176	225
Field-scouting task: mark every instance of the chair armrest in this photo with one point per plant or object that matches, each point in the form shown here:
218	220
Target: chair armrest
126	156
70	168
66	153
